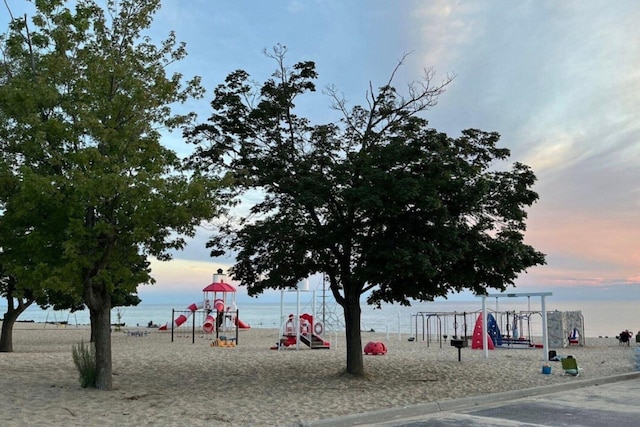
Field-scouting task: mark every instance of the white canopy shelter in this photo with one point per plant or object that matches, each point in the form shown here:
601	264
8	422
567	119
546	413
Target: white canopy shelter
542	295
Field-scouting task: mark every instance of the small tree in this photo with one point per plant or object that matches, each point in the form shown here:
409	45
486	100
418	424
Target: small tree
17	303
379	202
88	96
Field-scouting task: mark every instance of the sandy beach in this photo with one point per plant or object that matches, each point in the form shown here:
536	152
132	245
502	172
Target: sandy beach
159	382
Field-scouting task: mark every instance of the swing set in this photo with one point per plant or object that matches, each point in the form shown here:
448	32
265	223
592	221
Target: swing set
543	312
437	324
514	330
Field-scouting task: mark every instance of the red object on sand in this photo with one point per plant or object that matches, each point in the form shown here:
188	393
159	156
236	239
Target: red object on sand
375	348
476	342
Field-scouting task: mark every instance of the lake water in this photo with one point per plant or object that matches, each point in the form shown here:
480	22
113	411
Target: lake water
601	318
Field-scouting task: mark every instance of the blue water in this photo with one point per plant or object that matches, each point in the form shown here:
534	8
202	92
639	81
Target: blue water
601	318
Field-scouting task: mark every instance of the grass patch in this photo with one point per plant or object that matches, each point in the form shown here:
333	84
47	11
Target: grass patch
84	357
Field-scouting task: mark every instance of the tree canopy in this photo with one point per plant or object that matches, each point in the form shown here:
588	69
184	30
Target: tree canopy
91	191
379	202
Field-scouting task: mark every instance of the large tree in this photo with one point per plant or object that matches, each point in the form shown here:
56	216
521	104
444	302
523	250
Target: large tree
85	99
380	202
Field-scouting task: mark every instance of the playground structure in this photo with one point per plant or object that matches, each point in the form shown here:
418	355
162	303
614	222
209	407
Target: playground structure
492	333
563	328
303	329
218	309
495	325
504	329
514	327
59	323
220	302
330	313
485	335
566	328
441	325
300	328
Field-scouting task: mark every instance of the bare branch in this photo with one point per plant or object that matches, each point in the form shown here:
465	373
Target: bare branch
421	96
8	10
28	40
397	67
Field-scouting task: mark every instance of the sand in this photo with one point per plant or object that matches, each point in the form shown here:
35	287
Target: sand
159	382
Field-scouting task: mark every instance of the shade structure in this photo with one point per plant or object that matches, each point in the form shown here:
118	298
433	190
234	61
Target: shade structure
219	287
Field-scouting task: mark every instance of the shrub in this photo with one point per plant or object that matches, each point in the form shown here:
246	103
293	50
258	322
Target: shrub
84	357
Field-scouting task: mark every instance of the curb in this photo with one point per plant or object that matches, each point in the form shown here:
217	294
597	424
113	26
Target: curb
412	411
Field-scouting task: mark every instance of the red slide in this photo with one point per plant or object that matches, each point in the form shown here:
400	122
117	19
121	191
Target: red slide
241	324
182	318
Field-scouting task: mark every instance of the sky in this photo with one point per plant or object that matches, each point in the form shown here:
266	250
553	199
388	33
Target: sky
559	80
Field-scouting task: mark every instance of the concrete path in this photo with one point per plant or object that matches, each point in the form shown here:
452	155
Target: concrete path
610	401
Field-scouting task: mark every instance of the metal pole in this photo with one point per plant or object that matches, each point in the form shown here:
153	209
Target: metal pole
464	324
545	337
313	307
324	300
173	314
282	321
296	323
485	343
237	324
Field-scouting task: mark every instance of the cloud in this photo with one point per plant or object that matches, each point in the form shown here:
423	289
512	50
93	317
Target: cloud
556	154
184	275
445	29
560	81
295	6
584	248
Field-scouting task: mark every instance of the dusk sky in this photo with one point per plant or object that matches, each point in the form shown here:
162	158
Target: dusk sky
559	80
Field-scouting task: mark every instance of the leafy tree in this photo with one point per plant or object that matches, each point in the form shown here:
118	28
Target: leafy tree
31	235
379	202
94	193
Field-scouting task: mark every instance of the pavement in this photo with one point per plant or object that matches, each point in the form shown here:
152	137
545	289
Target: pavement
592	402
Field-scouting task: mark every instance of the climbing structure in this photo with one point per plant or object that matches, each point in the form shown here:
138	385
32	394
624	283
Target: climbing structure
561	325
494	337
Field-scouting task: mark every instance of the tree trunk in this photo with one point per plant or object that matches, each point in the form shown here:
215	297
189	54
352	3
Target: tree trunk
101	331
93	324
10	318
6	339
352	313
99	303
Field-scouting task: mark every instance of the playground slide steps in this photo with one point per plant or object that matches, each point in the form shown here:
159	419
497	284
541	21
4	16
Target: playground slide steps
315	342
